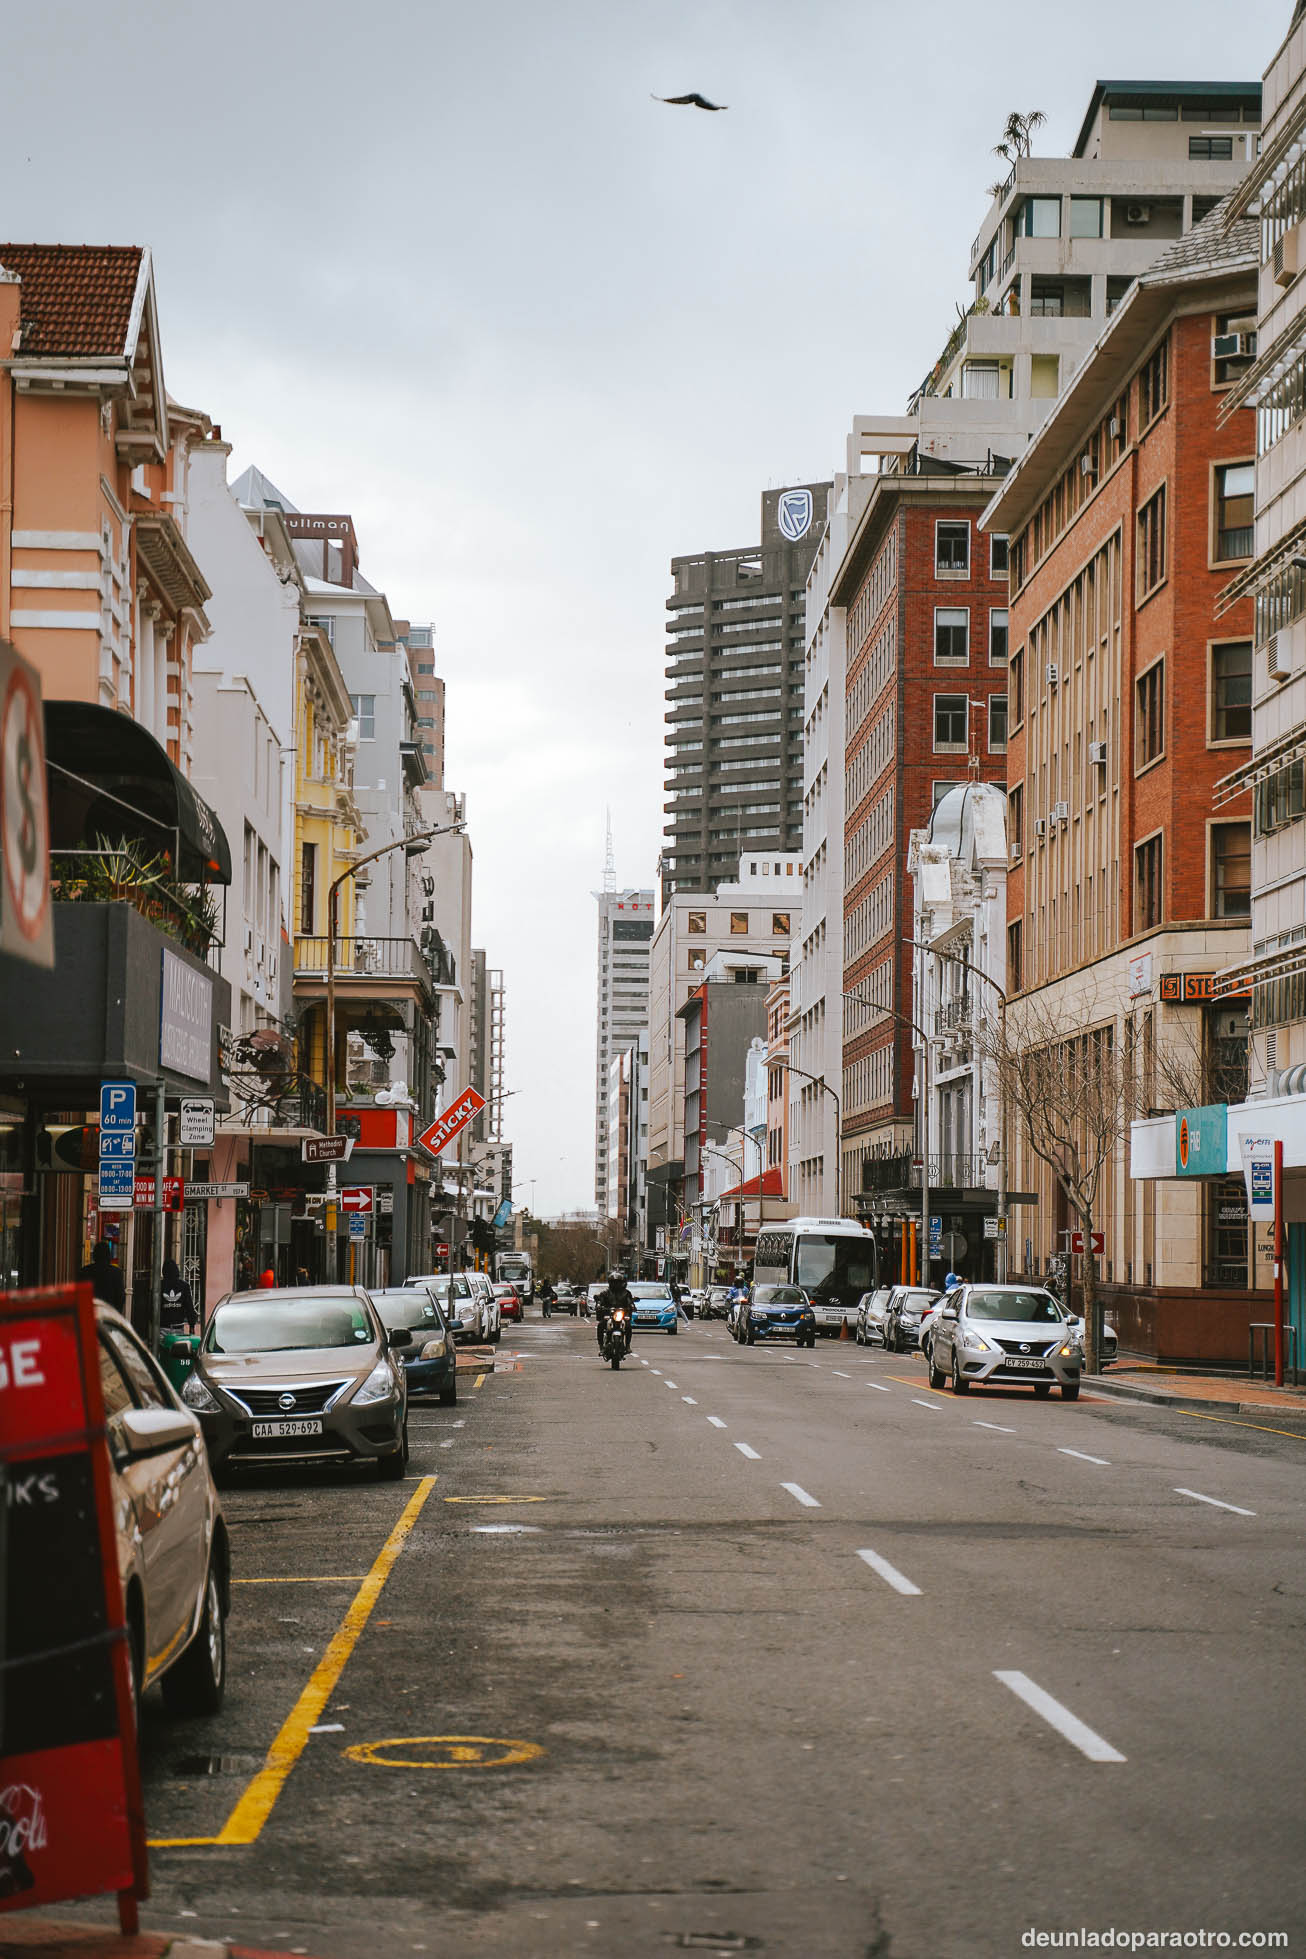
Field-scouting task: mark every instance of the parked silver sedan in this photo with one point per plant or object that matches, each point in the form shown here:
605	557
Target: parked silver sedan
870	1315
1005	1336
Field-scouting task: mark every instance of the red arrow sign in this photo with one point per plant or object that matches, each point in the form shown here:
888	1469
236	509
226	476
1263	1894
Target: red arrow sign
464	1109
1096	1242
358	1198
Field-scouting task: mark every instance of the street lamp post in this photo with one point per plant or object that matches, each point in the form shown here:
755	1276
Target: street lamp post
1000	1259
741	1167
413	845
819	1081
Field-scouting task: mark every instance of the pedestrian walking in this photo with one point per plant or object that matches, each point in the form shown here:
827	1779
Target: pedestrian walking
104	1275
177	1311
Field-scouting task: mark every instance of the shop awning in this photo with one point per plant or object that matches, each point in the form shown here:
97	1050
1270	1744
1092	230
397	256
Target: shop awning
772	1185
109	777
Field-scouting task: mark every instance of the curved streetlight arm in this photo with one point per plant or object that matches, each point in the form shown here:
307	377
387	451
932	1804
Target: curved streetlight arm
819	1081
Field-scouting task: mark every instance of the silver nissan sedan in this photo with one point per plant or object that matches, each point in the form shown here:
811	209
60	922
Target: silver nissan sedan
1005	1336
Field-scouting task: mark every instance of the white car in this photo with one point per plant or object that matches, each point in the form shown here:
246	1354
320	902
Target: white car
461	1307
483	1293
173	1553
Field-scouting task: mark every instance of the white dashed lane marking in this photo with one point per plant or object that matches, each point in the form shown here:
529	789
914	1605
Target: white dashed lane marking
689	1400
1215	1502
924	1404
890	1574
1079	1454
716	1421
880	1386
800	1495
995	1426
1075	1731
744	1450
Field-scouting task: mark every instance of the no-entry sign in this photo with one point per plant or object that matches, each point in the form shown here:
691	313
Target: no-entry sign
456	1117
71	1821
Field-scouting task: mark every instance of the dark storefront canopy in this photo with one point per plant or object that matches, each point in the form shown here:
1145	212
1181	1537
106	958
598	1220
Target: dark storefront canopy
109	777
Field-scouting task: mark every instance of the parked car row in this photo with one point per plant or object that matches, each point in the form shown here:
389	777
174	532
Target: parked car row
471	1302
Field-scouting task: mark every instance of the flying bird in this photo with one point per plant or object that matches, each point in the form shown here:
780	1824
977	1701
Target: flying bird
694	101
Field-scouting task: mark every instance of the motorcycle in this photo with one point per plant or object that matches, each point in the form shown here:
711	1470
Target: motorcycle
616	1337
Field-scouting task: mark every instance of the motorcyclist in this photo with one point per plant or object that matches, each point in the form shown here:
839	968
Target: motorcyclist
615	1293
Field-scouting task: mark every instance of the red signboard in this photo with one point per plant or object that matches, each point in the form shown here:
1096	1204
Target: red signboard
71	1820
456	1117
359	1199
1096	1242
174	1192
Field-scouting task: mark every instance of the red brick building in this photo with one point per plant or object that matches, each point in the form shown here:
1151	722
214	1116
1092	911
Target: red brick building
1129	700
925	594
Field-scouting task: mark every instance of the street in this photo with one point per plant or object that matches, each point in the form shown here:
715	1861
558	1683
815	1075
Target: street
741	1650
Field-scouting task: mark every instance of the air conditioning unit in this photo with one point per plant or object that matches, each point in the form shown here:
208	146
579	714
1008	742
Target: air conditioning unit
1051	673
1040	826
1113	428
1087	467
1138	214
1060	812
1233	346
1287	257
1277	664
1097	754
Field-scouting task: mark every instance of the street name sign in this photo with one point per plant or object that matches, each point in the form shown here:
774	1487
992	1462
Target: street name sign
196	1125
358	1200
201	1193
464	1109
326	1149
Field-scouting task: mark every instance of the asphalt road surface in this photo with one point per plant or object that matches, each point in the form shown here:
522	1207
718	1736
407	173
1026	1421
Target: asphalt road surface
753	1651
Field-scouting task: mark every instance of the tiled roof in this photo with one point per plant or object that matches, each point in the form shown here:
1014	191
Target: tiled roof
1210	247
76	299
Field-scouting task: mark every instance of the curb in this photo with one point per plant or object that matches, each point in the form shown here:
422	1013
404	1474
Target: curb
1126	1391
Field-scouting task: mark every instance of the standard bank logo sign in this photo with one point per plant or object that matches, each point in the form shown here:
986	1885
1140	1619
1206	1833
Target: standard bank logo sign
794	514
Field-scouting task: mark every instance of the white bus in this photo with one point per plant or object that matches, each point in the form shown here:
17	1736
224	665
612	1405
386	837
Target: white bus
834	1260
514	1269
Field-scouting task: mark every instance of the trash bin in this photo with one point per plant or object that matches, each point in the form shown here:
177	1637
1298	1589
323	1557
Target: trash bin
177	1353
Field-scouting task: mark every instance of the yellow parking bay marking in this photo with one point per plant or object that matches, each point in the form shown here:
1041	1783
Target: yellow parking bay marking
322	1578
1294	1435
179	1843
444	1752
479	1382
256	1805
914	1381
496	1499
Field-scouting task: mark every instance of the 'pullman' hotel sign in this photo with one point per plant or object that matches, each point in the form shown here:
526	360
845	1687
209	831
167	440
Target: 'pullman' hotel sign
185	1019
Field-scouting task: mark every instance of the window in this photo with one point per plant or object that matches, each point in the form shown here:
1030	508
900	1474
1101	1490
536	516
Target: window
1154	385
998	636
1211	149
1147	884
697	921
780	923
1015	970
952	550
998	556
1231	691
1231	870
1235	499
1228	367
739	924
1151	544
1116	288
364	706
951	635
939	789
1149	719
1016	689
997	723
1086	217
1039	217
308	888
1016	821
950	712
1203	207
980	381
697	959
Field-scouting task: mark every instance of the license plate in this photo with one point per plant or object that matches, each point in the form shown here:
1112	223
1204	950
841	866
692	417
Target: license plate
1014	1360
264	1431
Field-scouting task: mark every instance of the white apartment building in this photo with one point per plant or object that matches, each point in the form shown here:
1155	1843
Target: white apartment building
625	932
1061	242
759	912
816	1018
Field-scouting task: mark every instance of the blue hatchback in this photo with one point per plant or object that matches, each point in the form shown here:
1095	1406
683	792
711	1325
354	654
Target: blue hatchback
655	1309
429	1357
778	1313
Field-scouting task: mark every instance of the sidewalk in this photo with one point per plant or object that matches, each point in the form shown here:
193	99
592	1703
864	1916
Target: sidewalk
1207	1394
24	1935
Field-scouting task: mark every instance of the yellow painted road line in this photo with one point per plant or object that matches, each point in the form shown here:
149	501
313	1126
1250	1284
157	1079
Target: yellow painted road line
496	1499
479	1381
324	1578
179	1843
1294	1435
256	1804
915	1381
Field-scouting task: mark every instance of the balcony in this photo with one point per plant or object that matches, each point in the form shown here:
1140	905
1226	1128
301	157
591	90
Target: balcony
952	1017
392	962
903	1172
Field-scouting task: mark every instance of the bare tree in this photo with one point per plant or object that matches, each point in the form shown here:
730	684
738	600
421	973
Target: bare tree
1071	1087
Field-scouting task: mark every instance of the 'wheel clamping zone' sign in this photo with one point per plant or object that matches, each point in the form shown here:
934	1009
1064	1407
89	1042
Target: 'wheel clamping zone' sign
71	1818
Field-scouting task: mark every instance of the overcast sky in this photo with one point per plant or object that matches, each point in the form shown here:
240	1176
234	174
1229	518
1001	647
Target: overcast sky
448	267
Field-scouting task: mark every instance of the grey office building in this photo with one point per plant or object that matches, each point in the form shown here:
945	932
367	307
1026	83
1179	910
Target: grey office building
734	741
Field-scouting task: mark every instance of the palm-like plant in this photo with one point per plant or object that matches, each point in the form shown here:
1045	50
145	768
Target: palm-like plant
1018	133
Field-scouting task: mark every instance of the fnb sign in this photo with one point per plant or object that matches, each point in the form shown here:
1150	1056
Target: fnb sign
455	1118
